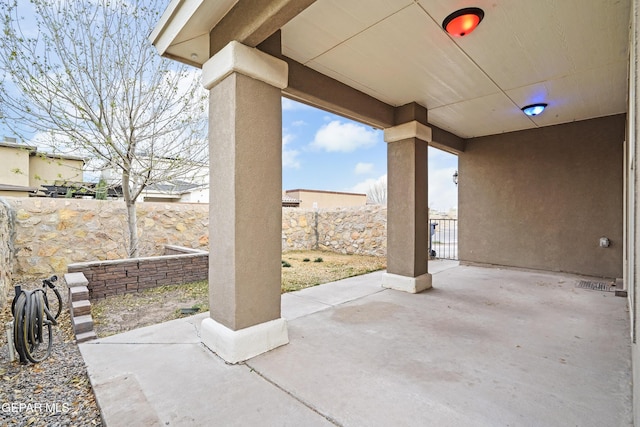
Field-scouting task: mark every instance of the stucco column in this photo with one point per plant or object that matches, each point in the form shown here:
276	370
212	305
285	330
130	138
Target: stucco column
407	208
245	213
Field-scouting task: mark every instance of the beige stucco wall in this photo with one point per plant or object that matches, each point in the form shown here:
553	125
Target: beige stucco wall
14	166
542	198
632	207
327	199
14	194
46	170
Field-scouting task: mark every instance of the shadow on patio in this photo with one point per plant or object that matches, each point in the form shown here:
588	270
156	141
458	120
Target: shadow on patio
485	347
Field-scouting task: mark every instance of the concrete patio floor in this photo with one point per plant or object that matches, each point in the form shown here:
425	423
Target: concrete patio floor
485	347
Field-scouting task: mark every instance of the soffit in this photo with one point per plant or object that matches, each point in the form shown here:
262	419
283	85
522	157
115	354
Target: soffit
571	54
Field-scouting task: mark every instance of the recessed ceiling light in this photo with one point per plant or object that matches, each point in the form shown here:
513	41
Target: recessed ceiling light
463	21
534	109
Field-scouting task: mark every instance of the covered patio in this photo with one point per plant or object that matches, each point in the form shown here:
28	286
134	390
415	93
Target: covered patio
486	347
554	191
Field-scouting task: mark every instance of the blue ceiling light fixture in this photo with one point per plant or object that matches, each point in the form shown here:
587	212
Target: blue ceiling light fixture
534	109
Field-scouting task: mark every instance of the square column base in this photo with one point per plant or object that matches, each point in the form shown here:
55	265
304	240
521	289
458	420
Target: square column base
412	285
238	346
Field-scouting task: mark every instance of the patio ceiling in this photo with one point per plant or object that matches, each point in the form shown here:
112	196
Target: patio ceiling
571	54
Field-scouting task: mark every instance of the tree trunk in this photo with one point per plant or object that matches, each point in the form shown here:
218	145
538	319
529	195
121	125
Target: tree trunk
132	220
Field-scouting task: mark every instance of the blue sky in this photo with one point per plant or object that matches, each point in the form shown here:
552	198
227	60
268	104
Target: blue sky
323	151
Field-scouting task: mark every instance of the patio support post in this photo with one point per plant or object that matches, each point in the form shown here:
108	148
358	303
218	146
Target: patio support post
245	214
407	207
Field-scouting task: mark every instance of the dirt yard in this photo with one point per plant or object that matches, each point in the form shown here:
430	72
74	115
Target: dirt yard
300	269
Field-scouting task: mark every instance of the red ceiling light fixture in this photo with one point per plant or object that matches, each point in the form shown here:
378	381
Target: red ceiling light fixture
463	21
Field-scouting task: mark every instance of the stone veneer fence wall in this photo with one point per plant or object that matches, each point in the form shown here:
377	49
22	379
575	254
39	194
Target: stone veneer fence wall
7	227
361	230
50	234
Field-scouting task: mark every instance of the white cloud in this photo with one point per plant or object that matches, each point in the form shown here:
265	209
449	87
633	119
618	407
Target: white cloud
443	193
290	105
367	184
289	156
344	137
363	168
299	123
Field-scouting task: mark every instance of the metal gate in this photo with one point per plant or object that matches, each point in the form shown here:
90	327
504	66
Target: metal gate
443	243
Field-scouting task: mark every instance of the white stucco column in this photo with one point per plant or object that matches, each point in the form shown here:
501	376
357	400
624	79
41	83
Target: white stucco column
407	207
245	213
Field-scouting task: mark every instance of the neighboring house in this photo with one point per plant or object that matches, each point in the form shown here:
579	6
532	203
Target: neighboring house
289	202
177	192
24	169
319	199
192	186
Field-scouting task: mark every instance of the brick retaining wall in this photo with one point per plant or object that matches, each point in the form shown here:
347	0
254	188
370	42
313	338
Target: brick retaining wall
107	278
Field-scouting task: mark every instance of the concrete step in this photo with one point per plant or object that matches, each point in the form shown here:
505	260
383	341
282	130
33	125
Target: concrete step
80	308
86	336
82	324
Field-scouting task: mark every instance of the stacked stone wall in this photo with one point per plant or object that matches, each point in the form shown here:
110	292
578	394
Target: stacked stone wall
359	230
7	237
50	234
53	233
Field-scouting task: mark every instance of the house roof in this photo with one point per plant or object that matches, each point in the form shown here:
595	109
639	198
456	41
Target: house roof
172	188
33	151
287	199
572	55
9	187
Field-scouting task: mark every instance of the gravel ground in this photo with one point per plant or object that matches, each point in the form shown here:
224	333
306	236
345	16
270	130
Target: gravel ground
55	392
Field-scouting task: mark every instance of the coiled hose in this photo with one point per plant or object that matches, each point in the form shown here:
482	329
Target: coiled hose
32	322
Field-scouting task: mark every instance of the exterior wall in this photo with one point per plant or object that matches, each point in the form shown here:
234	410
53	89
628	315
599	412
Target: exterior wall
6	250
632	208
46	170
196	196
361	231
14	166
14	194
543	198
327	199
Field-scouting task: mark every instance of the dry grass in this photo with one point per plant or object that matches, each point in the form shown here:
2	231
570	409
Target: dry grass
303	274
121	313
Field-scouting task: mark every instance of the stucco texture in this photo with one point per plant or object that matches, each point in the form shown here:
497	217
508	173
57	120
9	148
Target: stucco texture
543	198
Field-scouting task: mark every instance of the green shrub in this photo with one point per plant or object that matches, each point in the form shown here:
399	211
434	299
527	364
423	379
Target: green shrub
318	260
285	264
306	260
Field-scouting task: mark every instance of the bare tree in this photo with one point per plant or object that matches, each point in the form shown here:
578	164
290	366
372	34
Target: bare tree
80	76
377	193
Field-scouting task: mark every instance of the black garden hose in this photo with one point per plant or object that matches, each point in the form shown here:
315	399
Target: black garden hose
32	322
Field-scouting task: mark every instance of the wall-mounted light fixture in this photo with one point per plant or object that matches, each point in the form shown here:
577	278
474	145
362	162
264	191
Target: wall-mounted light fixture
455	177
534	109
463	21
